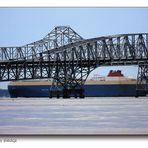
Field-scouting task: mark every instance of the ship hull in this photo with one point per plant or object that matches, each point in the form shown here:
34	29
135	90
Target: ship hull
110	90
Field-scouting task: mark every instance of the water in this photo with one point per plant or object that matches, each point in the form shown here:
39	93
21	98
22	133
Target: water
41	116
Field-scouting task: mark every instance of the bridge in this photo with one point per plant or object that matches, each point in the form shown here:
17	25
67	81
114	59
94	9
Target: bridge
68	59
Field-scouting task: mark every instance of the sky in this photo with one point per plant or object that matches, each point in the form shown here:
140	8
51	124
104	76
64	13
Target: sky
20	26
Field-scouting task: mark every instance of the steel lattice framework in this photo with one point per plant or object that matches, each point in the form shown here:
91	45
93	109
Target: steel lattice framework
142	79
68	59
58	37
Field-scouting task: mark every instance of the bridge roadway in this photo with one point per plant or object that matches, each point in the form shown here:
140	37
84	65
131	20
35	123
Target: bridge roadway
13	69
69	65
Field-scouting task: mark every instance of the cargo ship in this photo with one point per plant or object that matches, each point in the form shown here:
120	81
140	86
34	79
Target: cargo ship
115	84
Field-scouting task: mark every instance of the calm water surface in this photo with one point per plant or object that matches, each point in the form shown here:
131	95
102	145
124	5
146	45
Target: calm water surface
74	116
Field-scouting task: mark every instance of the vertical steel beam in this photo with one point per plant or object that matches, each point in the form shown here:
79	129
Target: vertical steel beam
41	66
24	67
118	48
88	56
49	66
133	46
33	69
16	72
65	71
8	72
72	66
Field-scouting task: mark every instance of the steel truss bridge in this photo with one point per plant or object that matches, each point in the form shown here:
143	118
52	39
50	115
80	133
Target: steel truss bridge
67	59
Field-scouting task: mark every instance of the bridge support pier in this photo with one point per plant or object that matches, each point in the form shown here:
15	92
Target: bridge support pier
142	80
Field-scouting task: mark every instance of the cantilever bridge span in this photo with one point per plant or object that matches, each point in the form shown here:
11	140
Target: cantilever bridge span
68	59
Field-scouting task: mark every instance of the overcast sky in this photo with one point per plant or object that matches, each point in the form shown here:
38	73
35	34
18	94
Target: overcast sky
19	26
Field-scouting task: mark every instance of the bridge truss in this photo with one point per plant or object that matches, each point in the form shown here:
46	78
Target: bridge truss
68	59
142	79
